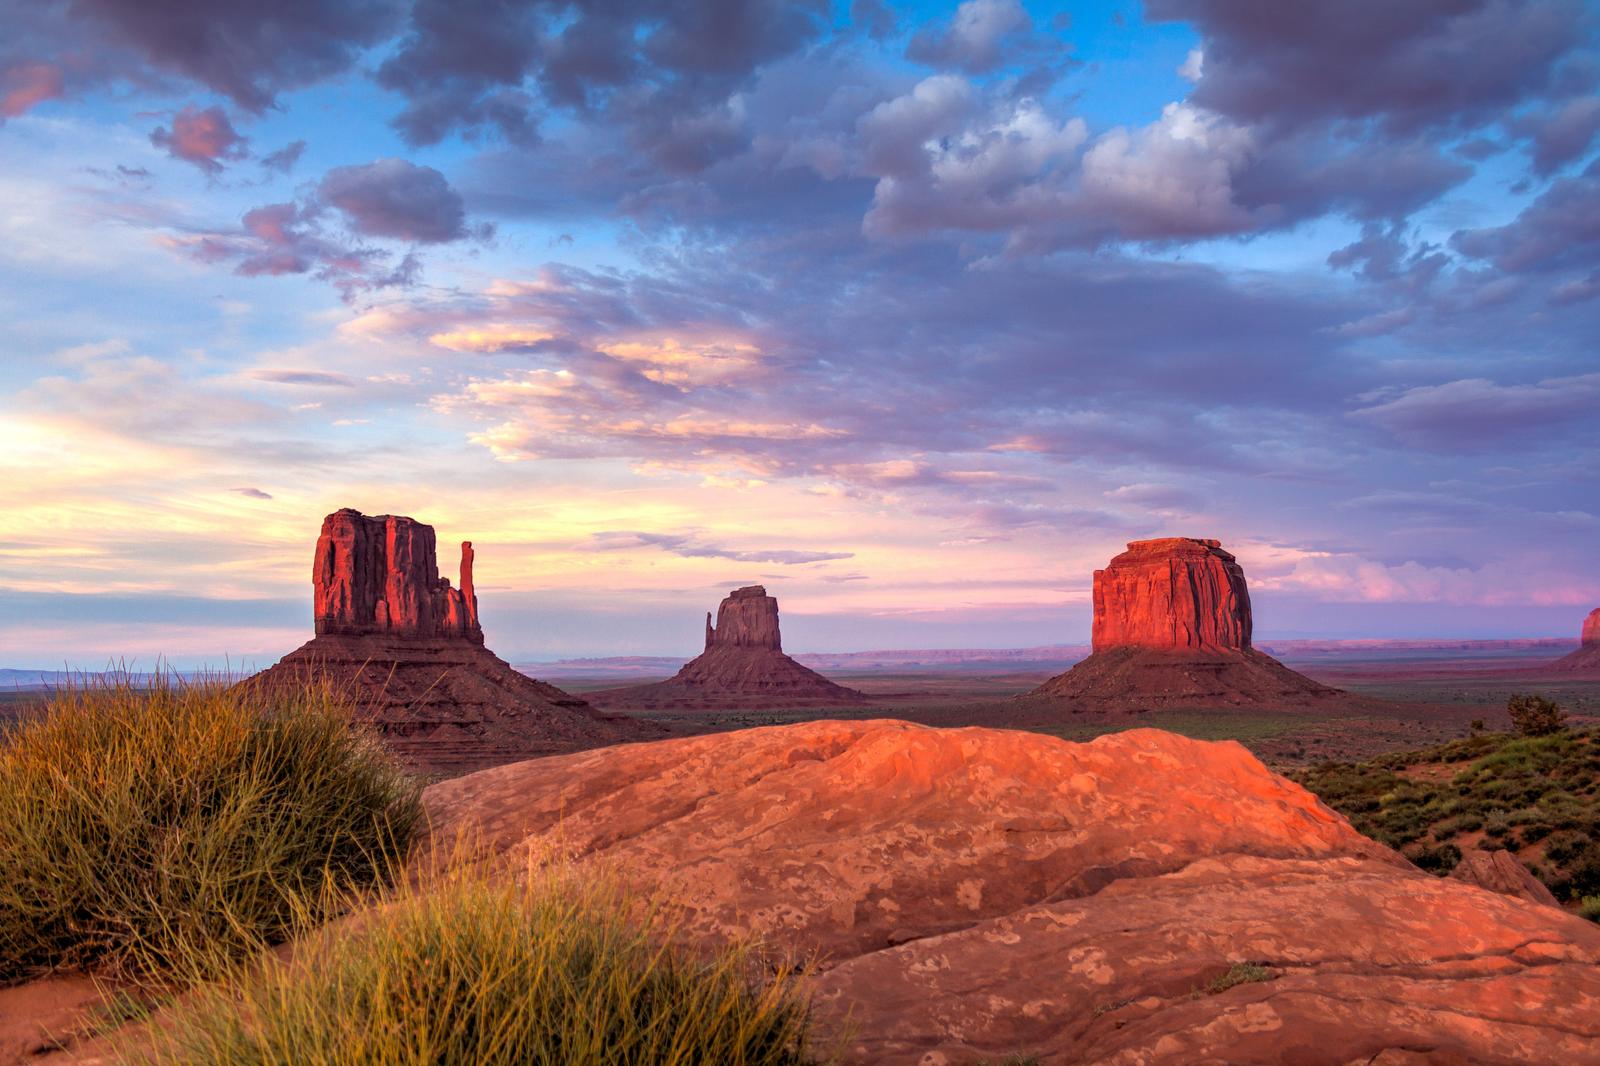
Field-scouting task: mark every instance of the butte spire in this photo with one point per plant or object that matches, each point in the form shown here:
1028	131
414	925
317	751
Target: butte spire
408	648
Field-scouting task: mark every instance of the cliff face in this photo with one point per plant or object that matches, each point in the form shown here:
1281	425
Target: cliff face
1587	658
747	618
380	576
1591	629
1172	627
1173	594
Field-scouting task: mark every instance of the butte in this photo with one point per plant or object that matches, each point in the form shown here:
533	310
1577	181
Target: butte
408	649
743	666
1587	658
1172	629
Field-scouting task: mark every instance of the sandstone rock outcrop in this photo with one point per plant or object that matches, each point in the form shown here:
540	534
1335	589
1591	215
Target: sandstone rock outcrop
743	666
968	894
1587	658
380	576
1502	872
408	648
1172	627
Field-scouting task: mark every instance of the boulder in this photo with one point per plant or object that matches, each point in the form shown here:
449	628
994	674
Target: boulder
1172	627
1502	872
408	649
968	894
743	666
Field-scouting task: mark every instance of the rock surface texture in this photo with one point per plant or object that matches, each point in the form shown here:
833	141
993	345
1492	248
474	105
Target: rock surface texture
1587	658
1502	872
1172	627
409	648
968	894
743	666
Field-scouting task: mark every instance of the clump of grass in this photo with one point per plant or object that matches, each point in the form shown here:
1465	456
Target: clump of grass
1240	973
553	970
1589	907
147	827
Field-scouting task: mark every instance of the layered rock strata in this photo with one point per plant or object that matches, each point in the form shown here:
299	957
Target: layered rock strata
743	666
1172	627
408	649
969	894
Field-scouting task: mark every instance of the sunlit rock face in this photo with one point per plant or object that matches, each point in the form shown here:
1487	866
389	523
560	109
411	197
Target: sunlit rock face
1587	658
743	665
380	575
962	895
1172	627
407	648
1176	593
747	618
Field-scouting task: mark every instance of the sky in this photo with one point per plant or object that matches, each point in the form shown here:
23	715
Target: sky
915	313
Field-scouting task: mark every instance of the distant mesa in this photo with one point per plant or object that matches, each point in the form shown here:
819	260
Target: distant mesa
409	647
1172	627
743	665
1587	658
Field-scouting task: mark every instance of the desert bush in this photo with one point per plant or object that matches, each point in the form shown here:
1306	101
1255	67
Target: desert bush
1536	716
145	826
554	970
1589	907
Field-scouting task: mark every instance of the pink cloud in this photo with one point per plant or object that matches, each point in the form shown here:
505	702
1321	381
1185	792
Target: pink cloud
205	138
27	84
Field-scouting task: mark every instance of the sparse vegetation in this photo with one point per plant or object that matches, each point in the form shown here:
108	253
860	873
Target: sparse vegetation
1535	795
1536	716
558	969
148	828
1240	973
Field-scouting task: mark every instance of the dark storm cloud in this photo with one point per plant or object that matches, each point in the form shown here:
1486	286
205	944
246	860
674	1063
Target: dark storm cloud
203	137
396	198
494	66
1410	66
243	49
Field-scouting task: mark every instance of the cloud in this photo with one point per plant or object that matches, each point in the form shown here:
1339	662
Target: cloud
1423	64
244	50
254	493
303	377
976	38
658	70
26	84
390	198
284	159
205	138
1560	229
1475	413
396	198
689	546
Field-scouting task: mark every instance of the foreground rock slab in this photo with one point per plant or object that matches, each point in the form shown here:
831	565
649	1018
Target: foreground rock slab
1142	898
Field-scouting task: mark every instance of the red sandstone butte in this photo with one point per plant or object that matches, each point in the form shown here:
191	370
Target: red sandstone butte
1587	658
408	648
970	895
743	665
1172	627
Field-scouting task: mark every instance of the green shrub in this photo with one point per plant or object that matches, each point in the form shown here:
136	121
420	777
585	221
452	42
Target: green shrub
553	971
1535	716
142	827
1589	907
